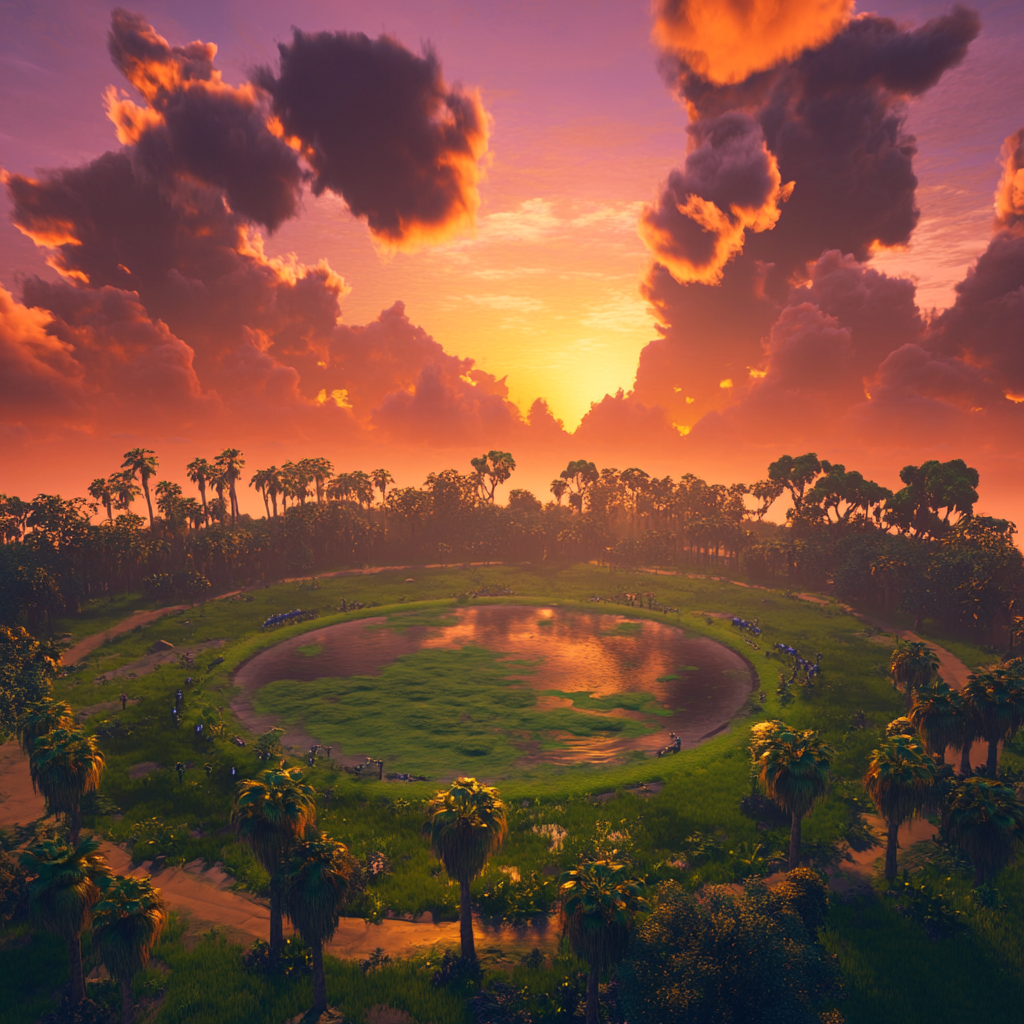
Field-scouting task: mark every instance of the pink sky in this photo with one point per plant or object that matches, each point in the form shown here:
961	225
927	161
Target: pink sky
545	291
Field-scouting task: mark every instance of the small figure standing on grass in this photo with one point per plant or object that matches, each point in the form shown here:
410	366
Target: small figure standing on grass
199	730
208	768
234	772
180	769
174	715
179	698
124	700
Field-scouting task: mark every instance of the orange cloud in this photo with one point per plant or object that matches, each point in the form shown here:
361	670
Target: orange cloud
725	41
1009	202
729	185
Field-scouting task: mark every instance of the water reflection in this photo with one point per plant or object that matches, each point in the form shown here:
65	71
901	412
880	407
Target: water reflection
703	683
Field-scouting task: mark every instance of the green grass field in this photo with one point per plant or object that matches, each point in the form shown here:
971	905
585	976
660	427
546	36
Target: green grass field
893	970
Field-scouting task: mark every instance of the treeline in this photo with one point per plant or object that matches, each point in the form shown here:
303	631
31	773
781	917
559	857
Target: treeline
921	549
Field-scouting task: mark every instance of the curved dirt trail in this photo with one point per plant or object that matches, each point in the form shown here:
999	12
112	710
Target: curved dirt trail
208	900
75	654
143	618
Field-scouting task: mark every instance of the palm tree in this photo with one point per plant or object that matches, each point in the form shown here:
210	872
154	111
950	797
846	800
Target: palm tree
937	714
319	471
124	489
340	487
997	699
200	472
273	486
295	482
382	480
141	462
899	779
65	765
986	821
218	507
270	814
794	773
466	823
599	903
261	481
362	487
100	490
318	883
127	923
230	463
970	730
63	892
42	717
912	666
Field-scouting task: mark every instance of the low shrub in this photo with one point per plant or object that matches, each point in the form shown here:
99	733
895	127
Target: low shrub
294	959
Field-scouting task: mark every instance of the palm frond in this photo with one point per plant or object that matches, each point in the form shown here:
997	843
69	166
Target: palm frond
466	823
127	923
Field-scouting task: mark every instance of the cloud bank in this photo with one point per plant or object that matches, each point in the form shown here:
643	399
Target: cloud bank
774	331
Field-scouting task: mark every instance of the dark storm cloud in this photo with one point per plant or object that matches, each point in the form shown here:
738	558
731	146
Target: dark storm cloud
380	127
729	184
833	119
197	126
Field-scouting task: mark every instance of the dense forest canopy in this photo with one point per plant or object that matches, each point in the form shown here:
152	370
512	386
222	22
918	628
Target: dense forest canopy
922	549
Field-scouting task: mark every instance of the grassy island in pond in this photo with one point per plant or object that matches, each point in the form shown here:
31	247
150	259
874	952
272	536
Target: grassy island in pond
585	687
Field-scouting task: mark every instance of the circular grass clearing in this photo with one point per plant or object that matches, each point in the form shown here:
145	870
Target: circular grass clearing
490	689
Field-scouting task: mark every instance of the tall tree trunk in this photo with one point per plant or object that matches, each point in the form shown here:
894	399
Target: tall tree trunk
77	976
127	1006
319	981
592	980
276	918
149	504
466	920
965	758
891	848
794	841
993	758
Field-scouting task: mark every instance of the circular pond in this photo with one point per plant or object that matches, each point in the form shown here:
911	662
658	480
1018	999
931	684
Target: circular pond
486	690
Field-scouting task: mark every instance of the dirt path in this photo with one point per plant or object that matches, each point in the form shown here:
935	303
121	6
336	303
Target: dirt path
143	618
75	654
207	898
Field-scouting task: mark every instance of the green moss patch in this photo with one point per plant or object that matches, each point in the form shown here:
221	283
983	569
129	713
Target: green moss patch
442	712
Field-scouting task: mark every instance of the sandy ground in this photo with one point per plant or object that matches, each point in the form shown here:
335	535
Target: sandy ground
206	895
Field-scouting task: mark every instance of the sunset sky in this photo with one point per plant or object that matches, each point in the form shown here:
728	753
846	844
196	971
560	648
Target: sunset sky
520	178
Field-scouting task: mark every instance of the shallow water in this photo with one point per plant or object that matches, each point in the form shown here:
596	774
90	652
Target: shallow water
701	683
